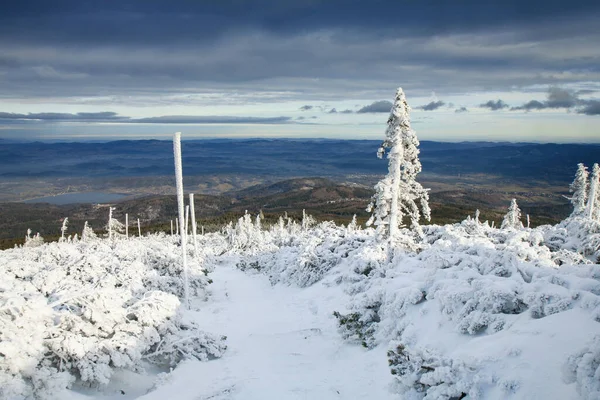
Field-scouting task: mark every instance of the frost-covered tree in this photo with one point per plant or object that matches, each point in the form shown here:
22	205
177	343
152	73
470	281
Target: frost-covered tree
353	225
593	200
63	229
257	223
397	194
87	233
579	188
307	220
512	219
33	241
113	227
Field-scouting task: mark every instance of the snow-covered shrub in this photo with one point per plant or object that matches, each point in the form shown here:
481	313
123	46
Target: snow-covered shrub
33	241
359	327
583	369
421	374
246	236
88	233
81	310
469	283
578	235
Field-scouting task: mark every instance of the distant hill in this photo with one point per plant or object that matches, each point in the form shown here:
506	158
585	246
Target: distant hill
283	158
320	197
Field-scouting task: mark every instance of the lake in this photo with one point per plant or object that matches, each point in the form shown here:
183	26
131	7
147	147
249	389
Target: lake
71	198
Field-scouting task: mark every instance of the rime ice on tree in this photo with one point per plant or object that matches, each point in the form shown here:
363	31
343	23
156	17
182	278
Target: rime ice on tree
593	201
114	227
579	188
63	229
512	219
397	194
87	233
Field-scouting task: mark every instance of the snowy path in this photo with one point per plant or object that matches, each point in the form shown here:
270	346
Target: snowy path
282	344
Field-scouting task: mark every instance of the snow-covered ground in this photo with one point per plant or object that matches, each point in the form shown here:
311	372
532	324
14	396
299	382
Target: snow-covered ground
282	344
310	311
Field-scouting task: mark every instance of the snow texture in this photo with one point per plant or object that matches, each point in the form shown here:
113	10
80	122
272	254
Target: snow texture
81	310
310	311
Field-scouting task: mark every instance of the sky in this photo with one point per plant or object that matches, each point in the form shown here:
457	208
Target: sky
509	70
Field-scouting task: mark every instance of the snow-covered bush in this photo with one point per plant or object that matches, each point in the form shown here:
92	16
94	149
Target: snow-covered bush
464	286
81	310
88	233
583	369
33	241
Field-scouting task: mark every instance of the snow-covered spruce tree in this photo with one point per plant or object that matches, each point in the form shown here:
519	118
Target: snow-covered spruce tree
63	229
512	219
113	227
397	194
307	220
579	188
593	200
88	233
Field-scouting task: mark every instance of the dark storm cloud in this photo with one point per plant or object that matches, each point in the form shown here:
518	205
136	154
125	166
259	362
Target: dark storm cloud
530	105
187	119
494	105
332	111
434	105
133	21
115	118
91	48
306	108
382	106
461	110
591	107
560	98
58	117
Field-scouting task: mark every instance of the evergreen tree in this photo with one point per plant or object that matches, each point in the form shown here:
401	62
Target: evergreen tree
63	229
593	201
114	227
87	233
579	188
512	219
397	194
